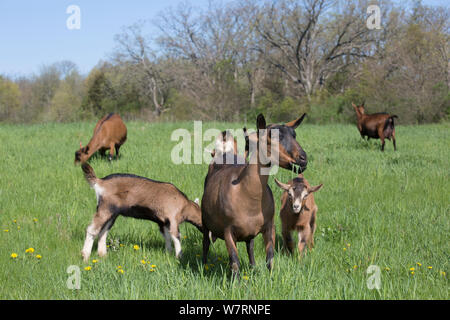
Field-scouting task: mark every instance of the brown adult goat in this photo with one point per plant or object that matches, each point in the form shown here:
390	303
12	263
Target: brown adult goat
298	212
138	197
109	133
237	202
376	125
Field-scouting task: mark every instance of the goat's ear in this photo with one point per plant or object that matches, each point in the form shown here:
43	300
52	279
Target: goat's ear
354	106
260	122
282	185
316	188
295	123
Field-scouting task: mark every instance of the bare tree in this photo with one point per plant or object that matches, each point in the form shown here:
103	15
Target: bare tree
313	39
133	47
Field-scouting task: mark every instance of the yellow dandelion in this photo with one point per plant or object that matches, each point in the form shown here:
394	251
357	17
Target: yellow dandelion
18	227
152	270
14	255
121	245
387	269
38	256
153	265
442	273
355	266
430	267
136	247
345	249
29	250
348	244
143	261
6	230
119	267
245	277
419	264
35	220
185	237
206	267
412	269
121	271
412	273
94	261
15	221
88	268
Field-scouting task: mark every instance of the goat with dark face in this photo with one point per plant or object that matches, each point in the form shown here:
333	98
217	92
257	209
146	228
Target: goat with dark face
237	202
298	212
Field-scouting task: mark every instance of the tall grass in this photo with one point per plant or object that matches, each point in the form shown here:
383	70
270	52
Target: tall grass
387	209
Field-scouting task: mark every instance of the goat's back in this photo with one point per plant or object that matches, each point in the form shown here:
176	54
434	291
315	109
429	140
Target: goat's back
111	129
126	191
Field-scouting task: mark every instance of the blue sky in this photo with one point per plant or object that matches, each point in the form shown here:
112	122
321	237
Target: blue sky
34	33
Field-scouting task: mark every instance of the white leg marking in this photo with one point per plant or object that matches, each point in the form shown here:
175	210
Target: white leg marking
177	246
90	236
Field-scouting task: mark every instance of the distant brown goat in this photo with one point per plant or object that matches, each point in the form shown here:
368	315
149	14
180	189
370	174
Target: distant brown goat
298	212
377	125
138	197
109	133
237	202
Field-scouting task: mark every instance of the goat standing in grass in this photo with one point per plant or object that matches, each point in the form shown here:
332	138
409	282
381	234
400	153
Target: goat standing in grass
109	133
237	202
298	212
376	125
138	197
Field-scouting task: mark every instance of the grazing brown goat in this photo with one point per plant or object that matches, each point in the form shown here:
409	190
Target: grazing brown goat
109	133
138	197
298	212
377	125
237	202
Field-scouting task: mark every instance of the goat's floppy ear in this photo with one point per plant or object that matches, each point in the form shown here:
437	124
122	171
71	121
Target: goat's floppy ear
295	123
316	188
260	122
282	185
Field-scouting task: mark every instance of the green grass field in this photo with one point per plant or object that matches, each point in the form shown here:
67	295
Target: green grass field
387	209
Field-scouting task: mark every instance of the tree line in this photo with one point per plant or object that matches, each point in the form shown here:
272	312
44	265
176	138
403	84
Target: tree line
233	60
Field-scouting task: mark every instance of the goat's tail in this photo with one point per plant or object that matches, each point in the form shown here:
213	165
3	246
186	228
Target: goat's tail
89	174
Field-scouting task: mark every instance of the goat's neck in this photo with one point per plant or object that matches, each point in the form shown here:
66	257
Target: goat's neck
192	214
252	180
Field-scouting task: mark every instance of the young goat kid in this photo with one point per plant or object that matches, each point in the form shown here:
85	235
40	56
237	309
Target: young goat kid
298	212
138	197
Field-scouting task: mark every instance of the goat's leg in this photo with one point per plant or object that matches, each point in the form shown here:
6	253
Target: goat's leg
232	252
175	235
313	230
393	140
166	234
269	241
117	147
206	243
111	151
303	237
102	237
251	256
97	224
288	244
